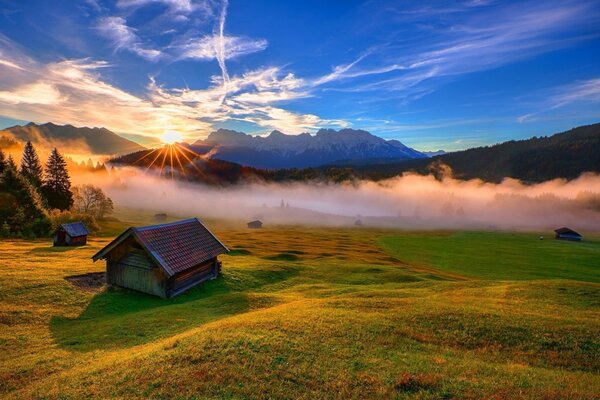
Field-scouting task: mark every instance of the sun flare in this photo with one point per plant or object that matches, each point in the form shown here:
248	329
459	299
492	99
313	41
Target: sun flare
171	137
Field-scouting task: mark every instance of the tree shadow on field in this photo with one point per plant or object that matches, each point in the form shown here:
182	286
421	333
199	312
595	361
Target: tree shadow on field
120	318
55	249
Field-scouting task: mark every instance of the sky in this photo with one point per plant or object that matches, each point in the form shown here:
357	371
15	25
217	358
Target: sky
434	75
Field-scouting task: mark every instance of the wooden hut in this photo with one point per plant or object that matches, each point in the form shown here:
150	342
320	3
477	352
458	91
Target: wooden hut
71	234
163	260
565	233
255	224
160	217
358	222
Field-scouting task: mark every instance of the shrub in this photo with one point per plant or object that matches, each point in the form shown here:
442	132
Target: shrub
58	217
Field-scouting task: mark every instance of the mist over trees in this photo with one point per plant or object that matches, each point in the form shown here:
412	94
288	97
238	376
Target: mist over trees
35	199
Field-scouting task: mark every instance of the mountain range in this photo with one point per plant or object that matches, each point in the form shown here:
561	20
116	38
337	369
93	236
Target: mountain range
563	155
278	150
71	139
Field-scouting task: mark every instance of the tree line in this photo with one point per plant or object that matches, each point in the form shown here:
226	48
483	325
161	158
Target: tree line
35	199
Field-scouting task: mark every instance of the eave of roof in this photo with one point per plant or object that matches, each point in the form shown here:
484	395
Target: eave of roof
75	229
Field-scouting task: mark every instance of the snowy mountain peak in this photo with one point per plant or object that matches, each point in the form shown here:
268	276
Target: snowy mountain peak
278	150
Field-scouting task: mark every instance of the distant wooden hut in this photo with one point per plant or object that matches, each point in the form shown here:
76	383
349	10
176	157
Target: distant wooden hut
160	217
565	233
255	224
163	260
358	222
71	234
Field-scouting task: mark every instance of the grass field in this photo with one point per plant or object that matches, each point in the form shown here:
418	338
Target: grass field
312	313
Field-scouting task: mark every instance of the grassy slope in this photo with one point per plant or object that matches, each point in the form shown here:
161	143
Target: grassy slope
503	256
343	319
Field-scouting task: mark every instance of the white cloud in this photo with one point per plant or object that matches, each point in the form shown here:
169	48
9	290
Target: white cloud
490	39
125	38
75	92
208	47
10	64
284	120
177	6
588	90
35	93
582	91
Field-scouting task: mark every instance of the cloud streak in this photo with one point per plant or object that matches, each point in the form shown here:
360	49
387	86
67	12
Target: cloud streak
488	40
220	48
124	37
587	91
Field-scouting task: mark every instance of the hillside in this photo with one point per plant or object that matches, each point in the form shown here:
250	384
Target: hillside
563	155
278	150
71	139
310	313
194	167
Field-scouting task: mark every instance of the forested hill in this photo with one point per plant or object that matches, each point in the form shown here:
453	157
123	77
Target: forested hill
563	155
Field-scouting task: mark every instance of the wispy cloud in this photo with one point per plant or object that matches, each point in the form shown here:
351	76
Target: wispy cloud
588	90
125	38
492	38
175	6
75	92
32	94
582	91
220	48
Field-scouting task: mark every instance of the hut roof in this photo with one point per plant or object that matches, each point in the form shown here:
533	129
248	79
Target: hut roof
566	231
75	229
256	221
176	246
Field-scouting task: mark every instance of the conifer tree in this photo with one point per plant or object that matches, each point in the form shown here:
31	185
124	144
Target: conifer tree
10	163
57	184
2	161
23	208
31	168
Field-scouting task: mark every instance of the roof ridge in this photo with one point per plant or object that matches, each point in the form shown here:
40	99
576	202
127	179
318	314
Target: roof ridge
174	223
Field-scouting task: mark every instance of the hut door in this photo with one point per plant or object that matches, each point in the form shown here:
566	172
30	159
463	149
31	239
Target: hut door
61	237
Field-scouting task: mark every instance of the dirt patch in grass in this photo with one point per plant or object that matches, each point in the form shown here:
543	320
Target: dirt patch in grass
90	281
414	383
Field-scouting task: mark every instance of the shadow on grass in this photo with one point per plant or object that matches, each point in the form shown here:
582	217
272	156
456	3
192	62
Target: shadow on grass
52	249
283	257
121	318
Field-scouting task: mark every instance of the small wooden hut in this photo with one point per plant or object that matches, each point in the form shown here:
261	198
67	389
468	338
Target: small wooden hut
71	234
358	222
565	233
163	260
255	224
160	217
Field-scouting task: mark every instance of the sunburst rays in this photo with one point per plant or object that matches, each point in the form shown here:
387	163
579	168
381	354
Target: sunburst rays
170	160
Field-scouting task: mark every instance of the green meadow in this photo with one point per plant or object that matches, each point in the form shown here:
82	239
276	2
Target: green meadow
311	313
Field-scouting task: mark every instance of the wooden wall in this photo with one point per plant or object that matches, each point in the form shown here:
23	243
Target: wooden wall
128	266
193	276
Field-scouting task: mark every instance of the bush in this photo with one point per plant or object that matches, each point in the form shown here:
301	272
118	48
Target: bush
21	206
58	217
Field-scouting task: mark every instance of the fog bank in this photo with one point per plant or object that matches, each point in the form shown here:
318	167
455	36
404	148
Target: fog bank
408	201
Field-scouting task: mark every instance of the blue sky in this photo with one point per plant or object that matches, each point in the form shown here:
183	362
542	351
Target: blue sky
447	74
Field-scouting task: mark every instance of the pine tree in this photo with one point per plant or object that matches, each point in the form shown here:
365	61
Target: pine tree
31	168
10	163
2	161
22	208
57	184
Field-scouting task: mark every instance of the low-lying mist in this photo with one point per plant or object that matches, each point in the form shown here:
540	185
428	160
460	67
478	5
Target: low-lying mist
408	201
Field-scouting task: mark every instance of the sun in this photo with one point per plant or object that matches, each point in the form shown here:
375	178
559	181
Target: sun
171	137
